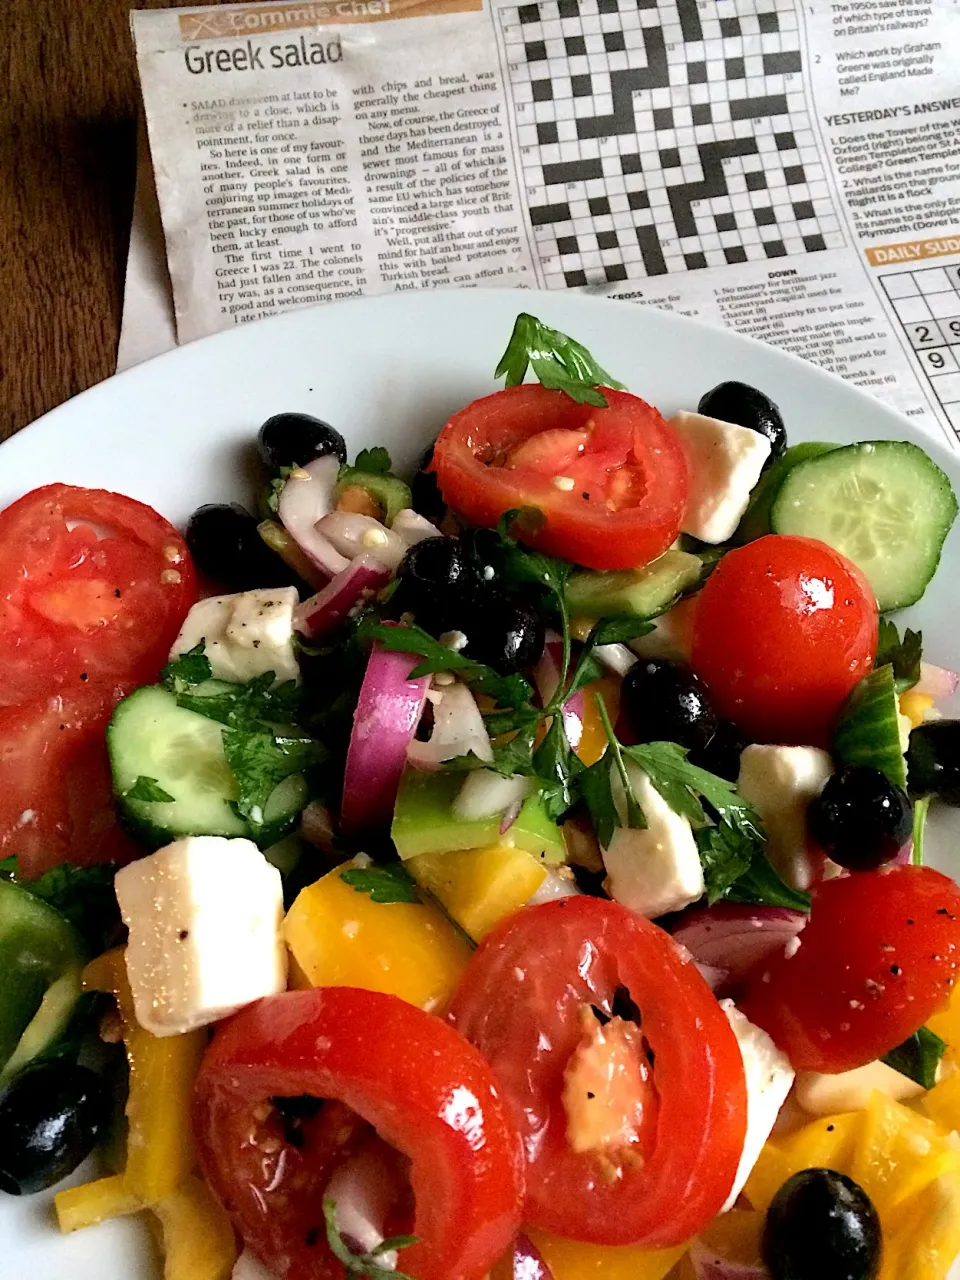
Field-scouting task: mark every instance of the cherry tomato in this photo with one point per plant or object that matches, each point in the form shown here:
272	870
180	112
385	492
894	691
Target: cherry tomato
428	1093
611	483
879	956
784	629
522	1002
56	801
91	584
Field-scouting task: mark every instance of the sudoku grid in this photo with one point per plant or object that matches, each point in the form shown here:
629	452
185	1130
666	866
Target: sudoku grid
927	304
663	135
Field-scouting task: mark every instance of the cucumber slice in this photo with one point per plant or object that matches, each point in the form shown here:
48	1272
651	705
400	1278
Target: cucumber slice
151	736
756	519
633	593
868	730
884	504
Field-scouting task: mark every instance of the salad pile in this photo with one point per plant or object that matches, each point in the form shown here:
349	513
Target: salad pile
516	873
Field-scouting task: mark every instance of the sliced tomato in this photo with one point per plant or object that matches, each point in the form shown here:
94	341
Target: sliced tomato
428	1094
523	1001
92	585
784	628
611	483
880	954
56	798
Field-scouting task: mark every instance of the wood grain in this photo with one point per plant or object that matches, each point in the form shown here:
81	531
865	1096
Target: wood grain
68	106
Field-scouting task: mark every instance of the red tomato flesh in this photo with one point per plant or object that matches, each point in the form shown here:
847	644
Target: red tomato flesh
93	589
524	446
427	1092
522	1001
784	629
879	956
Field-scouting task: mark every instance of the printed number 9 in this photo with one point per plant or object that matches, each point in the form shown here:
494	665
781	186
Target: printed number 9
935	359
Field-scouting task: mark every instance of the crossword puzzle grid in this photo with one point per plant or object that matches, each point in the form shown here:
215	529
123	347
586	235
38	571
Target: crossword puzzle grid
661	135
927	303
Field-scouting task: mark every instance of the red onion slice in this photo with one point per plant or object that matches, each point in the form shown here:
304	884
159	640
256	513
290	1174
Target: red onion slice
388	712
306	498
458	730
528	1262
364	1188
412	527
546	675
354	534
733	938
325	611
937	682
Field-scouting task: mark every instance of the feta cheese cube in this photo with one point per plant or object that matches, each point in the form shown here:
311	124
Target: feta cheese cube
780	782
827	1095
204	916
657	869
769	1077
244	635
724	461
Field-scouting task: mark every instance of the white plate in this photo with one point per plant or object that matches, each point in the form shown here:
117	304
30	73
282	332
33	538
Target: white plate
177	431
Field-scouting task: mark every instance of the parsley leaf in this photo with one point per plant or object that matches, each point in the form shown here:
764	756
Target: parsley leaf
725	856
918	1057
83	895
619	630
363	1264
509	691
392	883
249	705
148	789
259	761
903	655
760	884
560	363
557	769
921	808
596	785
376	461
192	667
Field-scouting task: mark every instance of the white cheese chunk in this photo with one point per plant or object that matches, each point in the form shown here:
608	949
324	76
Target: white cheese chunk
244	635
204	916
827	1095
672	634
724	462
657	869
780	782
769	1076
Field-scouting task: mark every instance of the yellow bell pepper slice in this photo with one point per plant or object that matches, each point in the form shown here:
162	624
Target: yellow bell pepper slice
736	1236
341	938
94	1202
198	1240
479	887
593	739
572	1260
160	1151
913	705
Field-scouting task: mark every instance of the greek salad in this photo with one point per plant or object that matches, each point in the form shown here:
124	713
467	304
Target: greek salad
516	872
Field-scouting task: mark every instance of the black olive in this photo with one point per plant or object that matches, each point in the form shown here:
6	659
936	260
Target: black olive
747	407
425	492
933	760
664	702
822	1225
722	753
861	819
505	634
51	1117
434	583
226	546
294	439
483	554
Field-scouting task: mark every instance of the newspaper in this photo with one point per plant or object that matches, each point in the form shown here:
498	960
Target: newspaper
790	168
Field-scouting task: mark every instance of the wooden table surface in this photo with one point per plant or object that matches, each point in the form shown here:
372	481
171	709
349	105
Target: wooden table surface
68	104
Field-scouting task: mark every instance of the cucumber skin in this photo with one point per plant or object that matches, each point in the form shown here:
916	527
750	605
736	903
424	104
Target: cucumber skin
139	817
756	521
633	593
868	731
783	519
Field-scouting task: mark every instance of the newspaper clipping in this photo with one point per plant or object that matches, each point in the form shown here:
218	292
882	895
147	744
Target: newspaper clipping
790	168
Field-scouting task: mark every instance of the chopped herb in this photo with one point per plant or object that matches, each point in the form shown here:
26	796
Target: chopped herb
560	363
275	488
725	856
921	808
918	1057
148	789
903	655
246	706
190	668
597	789
363	1264
761	885
388	884
83	895
619	630
557	769
260	761
375	461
